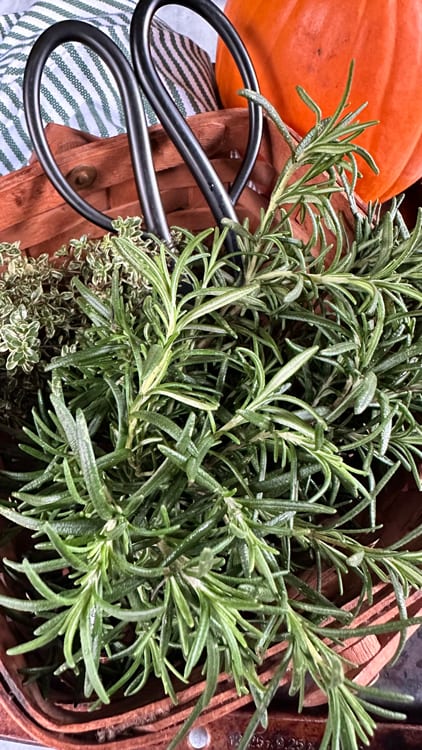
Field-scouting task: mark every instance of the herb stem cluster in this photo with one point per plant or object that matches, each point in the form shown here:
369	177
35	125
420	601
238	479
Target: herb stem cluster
197	444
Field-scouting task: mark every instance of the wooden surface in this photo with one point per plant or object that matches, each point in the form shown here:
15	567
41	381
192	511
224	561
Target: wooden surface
10	730
289	732
285	732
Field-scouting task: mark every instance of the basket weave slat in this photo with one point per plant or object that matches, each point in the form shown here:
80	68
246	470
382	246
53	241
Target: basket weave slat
35	214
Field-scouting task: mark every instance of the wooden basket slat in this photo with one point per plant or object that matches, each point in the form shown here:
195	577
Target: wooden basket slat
30	203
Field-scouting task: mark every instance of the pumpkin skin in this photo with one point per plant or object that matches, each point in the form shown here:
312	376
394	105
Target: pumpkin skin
311	43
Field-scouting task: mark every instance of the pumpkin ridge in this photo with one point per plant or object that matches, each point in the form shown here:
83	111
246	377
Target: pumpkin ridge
405	153
397	186
382	91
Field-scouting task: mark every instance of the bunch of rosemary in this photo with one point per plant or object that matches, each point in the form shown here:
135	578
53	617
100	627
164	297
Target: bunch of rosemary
209	432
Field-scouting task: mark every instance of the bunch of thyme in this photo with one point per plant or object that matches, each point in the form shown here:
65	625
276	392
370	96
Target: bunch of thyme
40	316
205	439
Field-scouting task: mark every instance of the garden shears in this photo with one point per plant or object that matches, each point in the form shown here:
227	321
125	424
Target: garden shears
133	80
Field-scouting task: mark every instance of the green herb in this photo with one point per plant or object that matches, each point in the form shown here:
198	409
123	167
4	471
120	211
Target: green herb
200	442
40	315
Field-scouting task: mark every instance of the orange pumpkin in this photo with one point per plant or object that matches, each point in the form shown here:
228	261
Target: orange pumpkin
311	43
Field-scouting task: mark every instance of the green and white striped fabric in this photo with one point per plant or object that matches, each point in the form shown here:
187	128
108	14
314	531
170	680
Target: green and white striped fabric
77	88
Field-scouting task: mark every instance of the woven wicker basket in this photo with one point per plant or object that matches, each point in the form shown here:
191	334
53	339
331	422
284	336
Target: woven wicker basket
33	213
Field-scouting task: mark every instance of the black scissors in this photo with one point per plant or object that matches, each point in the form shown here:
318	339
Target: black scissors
131	81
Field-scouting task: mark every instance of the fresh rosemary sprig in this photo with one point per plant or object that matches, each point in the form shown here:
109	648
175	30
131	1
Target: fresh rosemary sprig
199	442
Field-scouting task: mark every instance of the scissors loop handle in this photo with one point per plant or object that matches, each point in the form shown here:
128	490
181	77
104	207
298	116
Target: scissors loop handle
136	124
169	115
131	82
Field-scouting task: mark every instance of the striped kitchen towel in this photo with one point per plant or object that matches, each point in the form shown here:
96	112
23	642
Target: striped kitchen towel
77	88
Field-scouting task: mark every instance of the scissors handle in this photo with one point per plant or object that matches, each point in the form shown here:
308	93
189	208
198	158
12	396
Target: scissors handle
136	124
130	82
170	117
